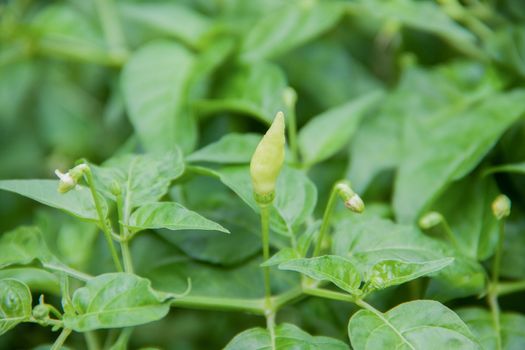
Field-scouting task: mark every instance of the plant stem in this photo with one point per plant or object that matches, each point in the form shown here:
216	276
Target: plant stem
510	287
109	19
79	275
265	233
102	222
327	216
287	297
92	340
59	342
124	234
492	295
123	338
255	306
330	294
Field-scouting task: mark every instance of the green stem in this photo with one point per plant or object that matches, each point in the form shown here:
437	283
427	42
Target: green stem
255	306
492	296
287	297
329	294
265	233
92	342
67	270
59	342
102	222
450	236
327	216
123	338
510	287
123	216
109	19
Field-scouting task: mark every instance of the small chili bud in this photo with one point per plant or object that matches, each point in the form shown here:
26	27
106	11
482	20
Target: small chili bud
69	180
501	207
430	220
40	312
351	199
267	161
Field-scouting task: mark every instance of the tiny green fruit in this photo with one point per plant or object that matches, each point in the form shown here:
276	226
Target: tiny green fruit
267	161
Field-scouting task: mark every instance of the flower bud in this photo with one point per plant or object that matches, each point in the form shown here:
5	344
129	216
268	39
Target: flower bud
115	188
351	199
40	312
289	97
67	183
430	220
501	207
267	161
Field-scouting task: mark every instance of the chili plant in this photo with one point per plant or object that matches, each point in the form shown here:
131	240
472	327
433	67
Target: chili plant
173	222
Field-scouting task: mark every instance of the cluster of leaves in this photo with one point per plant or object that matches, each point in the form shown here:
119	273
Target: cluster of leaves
419	103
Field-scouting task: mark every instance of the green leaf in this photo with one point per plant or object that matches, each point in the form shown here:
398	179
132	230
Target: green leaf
77	202
230	149
115	300
421	324
176	20
255	90
23	245
481	323
38	280
506	46
287	336
327	133
288	27
154	83
295	195
15	304
393	272
466	206
336	269
425	16
143	178
463	137
171	216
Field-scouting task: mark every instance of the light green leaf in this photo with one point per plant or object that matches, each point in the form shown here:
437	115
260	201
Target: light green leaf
295	195
416	325
15	304
154	83
368	241
255	90
176	20
327	133
463	137
77	202
230	149
481	323
336	269
388	273
288	27
23	245
287	336
38	280
171	216
115	300
284	255
143	178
